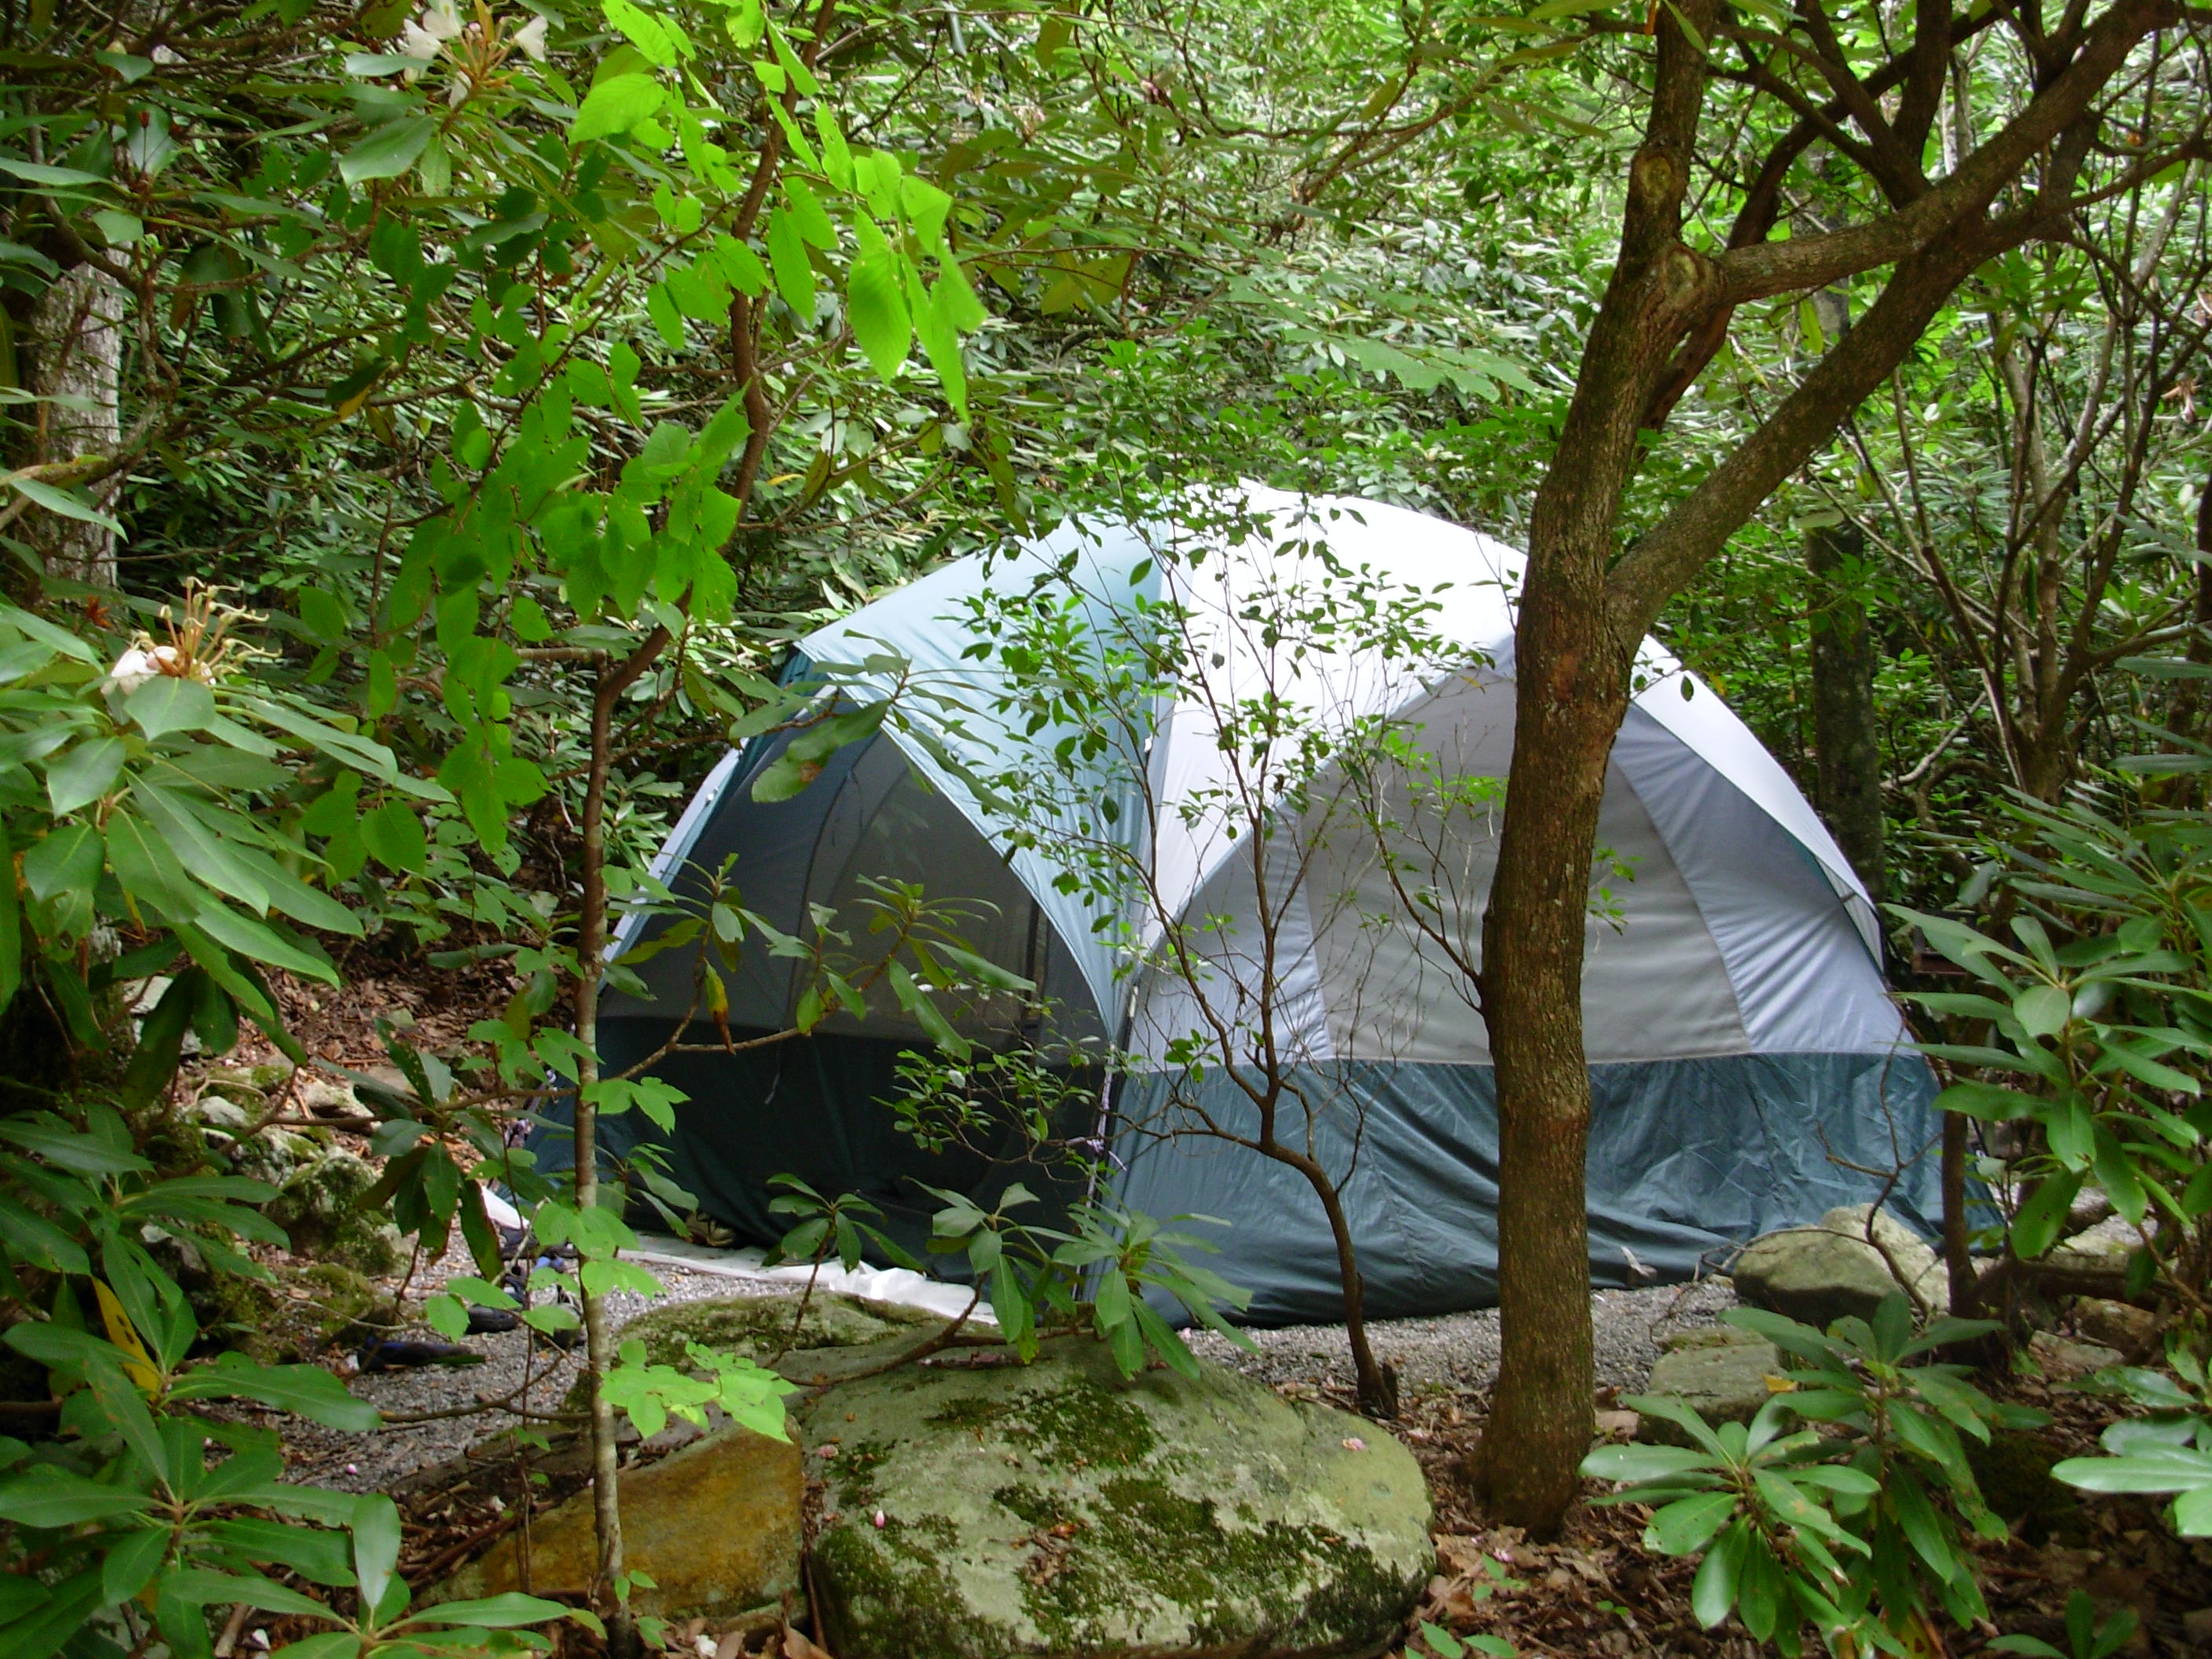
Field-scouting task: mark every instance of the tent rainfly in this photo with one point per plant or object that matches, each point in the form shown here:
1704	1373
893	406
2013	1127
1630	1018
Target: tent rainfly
1747	1067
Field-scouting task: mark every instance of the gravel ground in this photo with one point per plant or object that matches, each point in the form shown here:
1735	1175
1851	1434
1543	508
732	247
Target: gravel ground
1455	1351
374	1460
1459	1351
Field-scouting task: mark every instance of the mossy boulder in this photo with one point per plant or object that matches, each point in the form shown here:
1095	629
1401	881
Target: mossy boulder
2013	1472
296	1314
1819	1274
1055	1508
319	1207
716	1526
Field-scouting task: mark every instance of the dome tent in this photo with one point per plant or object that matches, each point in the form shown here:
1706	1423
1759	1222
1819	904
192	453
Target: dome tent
1746	1064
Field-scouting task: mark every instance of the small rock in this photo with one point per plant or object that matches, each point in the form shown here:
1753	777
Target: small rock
318	1097
1821	1274
2119	1325
716	1526
215	1111
1721	1373
2061	1357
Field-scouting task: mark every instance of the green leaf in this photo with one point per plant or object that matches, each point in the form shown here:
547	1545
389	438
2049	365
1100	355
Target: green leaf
131	1560
617	105
11	917
47	1497
395	838
389	151
2035	1229
1687	1525
2042	1010
260	942
375	1546
494	1611
169	703
1643	1462
876	305
307	1391
198	1586
787	258
329	1644
2145	1469
37	173
1712	1592
66	502
83	775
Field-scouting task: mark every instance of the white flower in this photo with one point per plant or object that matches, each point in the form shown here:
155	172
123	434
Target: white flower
132	670
531	39
418	43
441	19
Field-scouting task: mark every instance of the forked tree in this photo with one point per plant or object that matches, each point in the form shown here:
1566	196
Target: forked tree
1738	100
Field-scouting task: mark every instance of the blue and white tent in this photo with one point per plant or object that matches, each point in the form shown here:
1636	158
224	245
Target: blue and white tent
1749	1069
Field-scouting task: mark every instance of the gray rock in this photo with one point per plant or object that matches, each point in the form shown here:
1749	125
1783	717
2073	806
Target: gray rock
2062	1357
1054	1509
1721	1372
2120	1325
321	1096
1820	1273
215	1111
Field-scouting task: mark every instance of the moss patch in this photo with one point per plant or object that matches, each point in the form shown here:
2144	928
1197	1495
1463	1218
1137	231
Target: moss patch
758	1326
897	1580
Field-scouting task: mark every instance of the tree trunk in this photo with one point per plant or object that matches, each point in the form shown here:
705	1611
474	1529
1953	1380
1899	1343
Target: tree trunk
78	346
591	973
1532	1001
1586	602
1848	787
1378	1387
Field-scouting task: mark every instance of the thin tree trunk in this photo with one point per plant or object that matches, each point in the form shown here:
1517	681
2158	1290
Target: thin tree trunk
1848	785
1378	1388
591	972
1957	1258
77	345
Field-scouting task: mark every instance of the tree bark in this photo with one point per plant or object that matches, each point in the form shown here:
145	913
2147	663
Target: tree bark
1845	739
77	356
1570	696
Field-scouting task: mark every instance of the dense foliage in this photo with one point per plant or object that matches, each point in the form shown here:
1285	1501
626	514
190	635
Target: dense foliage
429	427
